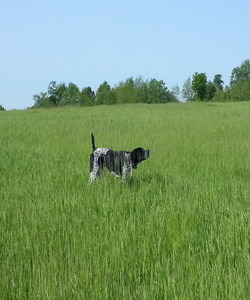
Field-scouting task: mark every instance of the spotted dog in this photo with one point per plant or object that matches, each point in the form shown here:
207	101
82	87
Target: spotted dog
119	163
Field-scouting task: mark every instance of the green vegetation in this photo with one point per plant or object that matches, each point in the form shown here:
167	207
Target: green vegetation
131	91
178	229
200	89
150	91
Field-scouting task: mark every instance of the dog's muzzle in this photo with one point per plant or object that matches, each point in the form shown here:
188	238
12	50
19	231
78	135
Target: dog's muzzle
147	152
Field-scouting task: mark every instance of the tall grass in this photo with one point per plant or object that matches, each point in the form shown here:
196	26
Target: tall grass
178	229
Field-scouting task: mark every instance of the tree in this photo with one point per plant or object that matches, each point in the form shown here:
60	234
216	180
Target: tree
41	100
241	73
175	90
73	93
199	84
52	93
142	87
240	91
187	91
87	96
2	108
157	92
126	91
218	82
220	96
210	91
104	94
61	93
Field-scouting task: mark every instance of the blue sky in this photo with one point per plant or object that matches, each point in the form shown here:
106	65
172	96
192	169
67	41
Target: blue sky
89	42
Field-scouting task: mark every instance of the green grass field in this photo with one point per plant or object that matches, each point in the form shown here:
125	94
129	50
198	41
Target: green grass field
178	229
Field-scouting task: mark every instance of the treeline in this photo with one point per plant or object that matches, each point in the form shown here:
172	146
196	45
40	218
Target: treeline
197	88
130	91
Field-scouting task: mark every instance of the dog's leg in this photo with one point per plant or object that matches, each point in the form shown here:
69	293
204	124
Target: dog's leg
125	172
93	173
95	170
127	168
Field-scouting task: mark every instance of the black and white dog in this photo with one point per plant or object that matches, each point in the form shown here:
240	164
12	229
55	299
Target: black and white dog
119	163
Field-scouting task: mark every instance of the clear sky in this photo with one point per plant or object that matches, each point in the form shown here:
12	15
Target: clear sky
89	42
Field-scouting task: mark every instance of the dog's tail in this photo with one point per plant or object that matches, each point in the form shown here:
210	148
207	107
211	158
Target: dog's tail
93	142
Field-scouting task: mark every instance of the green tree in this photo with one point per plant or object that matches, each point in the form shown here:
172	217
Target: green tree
126	91
220	96
2	108
104	94
218	82
141	88
157	92
240	73
61	92
53	96
199	84
210	91
143	91
187	91
87	96
41	100
73	93
240	91
175	90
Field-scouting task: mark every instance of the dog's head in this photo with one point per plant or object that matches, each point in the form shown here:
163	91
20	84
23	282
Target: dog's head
138	155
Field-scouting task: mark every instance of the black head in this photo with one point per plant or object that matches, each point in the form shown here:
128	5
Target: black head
138	155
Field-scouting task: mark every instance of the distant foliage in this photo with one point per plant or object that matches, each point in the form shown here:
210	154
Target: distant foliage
2	108
218	82
199	86
105	95
200	89
187	91
128	91
239	89
241	73
138	90
62	94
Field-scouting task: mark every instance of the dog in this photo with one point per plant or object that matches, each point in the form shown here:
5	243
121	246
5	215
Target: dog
119	163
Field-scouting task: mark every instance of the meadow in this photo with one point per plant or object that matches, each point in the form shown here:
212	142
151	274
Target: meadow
179	228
